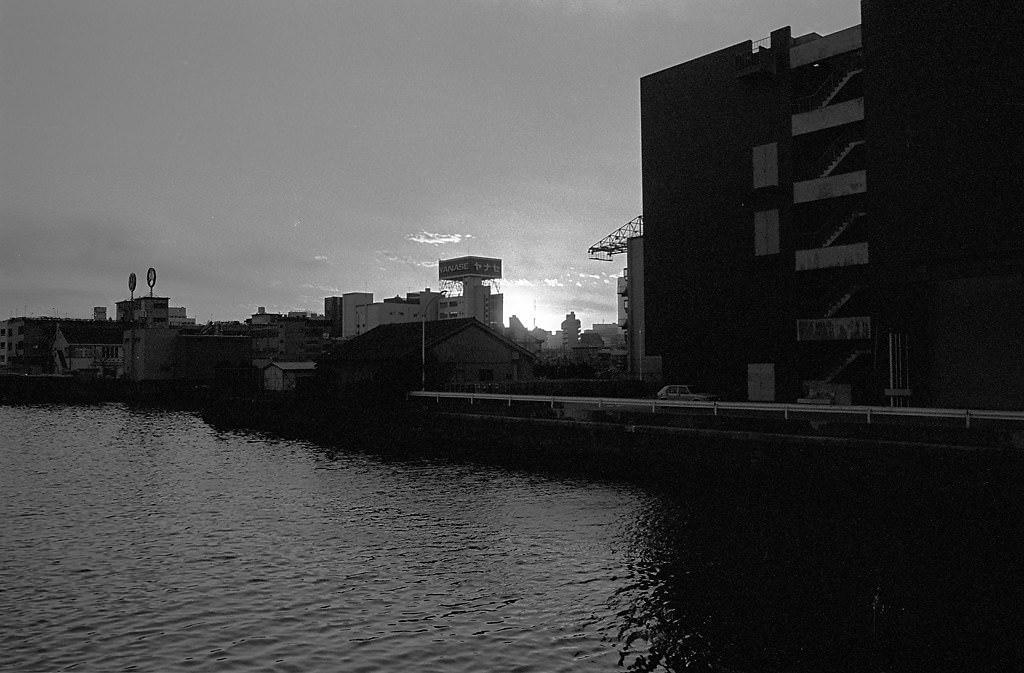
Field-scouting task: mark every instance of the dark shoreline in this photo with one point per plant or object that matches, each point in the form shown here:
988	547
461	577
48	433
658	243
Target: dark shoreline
636	447
617	451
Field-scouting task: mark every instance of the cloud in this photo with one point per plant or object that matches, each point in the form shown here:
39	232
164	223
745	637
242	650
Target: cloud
321	258
434	238
553	282
393	257
517	282
322	288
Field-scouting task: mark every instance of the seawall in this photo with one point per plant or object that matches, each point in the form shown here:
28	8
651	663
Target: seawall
610	450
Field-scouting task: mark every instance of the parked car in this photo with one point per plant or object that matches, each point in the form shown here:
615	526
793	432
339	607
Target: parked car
818	397
685	393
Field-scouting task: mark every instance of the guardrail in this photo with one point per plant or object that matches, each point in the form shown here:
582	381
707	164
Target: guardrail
864	414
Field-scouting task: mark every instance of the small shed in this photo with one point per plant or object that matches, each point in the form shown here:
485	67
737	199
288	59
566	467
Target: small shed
284	376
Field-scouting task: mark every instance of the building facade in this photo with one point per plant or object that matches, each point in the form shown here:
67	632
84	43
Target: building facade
144	311
287	338
836	213
89	348
475	301
26	344
414	307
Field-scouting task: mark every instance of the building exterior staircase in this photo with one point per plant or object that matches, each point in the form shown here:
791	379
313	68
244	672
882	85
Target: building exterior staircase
831	87
841	301
834	373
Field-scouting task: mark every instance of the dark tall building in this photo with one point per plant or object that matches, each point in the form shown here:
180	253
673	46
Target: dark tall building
333	312
838	216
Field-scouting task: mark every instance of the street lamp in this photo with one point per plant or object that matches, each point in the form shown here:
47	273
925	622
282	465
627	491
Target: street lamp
423	341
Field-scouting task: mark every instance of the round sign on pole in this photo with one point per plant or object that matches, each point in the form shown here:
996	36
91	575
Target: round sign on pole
131	282
151	277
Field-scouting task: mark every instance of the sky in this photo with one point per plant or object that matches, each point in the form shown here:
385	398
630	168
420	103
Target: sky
274	153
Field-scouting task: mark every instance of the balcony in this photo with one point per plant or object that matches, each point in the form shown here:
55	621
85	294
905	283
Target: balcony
827	117
830	187
834	329
832	257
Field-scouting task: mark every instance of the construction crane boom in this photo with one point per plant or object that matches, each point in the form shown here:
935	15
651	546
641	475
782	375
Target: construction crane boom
615	242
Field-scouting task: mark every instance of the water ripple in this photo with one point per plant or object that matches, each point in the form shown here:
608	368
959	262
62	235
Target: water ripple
148	541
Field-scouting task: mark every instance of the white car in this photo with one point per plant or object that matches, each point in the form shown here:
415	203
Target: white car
685	393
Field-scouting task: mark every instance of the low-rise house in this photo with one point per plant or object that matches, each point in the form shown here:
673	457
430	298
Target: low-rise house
285	376
437	352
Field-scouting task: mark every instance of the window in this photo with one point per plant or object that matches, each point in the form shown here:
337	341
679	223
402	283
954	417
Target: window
766	232
761	382
766	165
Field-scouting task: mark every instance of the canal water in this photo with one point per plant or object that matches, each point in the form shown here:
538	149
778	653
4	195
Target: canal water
148	540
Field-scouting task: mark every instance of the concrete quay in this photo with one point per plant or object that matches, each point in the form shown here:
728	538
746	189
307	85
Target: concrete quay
795	424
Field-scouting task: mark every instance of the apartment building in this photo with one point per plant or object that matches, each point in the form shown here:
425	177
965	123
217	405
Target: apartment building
839	214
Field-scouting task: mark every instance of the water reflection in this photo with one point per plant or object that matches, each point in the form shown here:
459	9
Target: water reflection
137	538
911	568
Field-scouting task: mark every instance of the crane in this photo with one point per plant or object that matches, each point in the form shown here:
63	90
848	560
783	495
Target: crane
615	242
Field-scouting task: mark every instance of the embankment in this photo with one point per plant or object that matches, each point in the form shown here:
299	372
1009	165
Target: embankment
607	450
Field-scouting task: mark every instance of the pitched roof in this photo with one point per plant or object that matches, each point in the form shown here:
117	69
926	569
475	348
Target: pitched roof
401	340
292	366
92	333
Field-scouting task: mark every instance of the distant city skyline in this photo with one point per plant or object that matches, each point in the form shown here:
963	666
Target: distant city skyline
269	154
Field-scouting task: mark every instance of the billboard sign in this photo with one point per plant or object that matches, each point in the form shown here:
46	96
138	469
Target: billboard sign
465	267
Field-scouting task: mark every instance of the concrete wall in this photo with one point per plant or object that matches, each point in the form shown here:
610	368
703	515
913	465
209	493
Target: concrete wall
945	134
149	354
973	351
201	358
826	46
636	316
